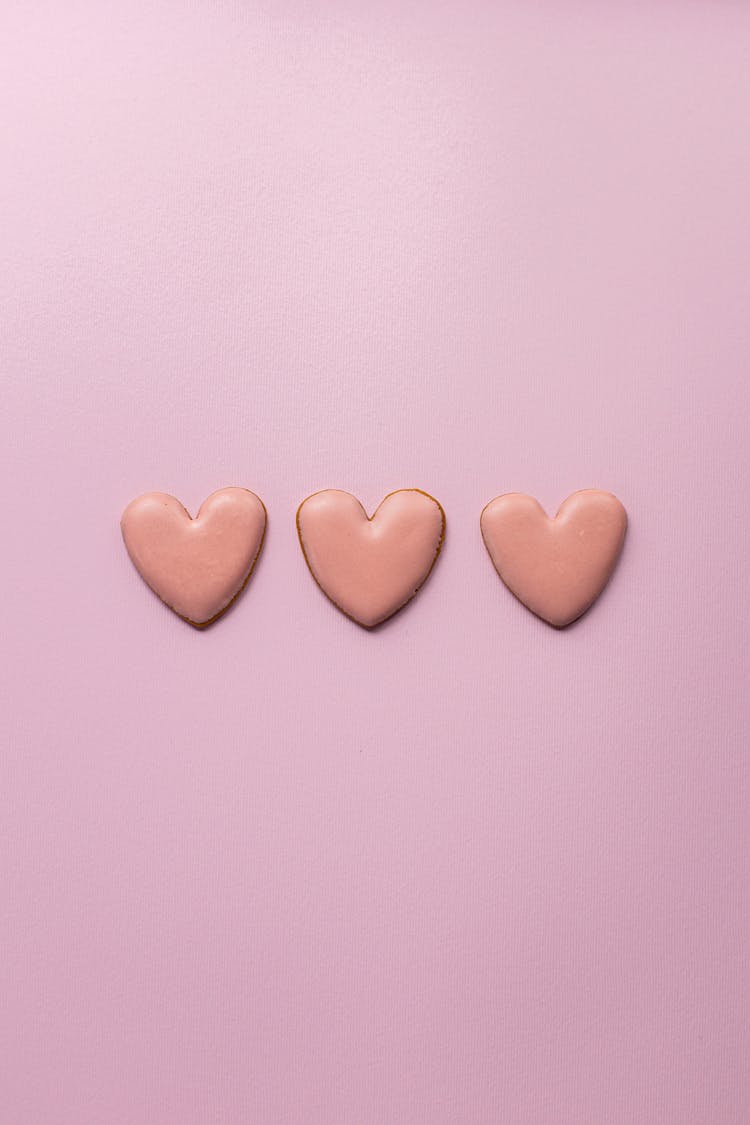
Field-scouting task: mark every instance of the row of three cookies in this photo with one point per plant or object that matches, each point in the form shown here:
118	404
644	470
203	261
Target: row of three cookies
371	566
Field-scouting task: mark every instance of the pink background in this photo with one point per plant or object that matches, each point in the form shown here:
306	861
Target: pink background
465	870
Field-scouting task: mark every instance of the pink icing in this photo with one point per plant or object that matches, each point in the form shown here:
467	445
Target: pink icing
370	568
556	567
197	566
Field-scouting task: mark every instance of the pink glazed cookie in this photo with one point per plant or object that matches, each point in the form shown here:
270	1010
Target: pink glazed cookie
556	567
370	566
196	566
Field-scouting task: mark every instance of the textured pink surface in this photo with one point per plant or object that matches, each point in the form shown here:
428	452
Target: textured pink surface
466	869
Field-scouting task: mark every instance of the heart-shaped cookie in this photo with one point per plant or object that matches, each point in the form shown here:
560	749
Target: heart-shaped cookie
197	566
370	566
556	567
